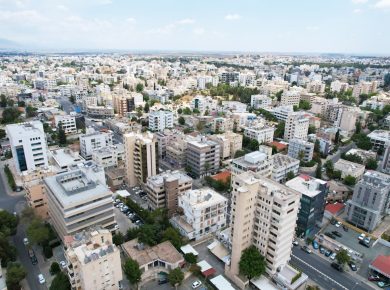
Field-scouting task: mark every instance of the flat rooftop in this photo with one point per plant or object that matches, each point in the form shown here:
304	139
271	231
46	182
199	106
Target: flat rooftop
158	180
199	198
74	187
306	185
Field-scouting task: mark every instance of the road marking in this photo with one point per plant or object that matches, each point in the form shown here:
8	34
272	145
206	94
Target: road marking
327	277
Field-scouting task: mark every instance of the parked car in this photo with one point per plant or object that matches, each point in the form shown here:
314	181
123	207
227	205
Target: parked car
336	233
364	244
328	253
333	256
315	245
367	240
333	221
41	279
352	265
63	264
295	243
162	281
306	249
330	235
25	241
338	224
34	260
196	284
361	237
374	278
383	284
322	250
337	266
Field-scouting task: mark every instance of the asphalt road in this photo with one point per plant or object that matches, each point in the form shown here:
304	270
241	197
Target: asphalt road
67	105
320	271
7	202
335	157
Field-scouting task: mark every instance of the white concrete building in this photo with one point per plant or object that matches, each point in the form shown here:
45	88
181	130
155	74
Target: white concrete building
94	140
108	156
258	161
160	120
28	145
379	139
93	261
260	101
204	213
283	164
263	134
290	98
349	168
282	112
296	147
296	127
68	123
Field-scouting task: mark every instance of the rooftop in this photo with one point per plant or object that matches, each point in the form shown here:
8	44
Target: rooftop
382	264
281	160
158	180
305	185
204	197
348	166
164	251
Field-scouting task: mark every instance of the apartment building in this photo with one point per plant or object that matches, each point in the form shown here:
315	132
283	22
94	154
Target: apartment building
290	98
77	201
222	124
258	161
204	212
233	106
160	120
263	134
109	156
202	156
364	88
93	140
296	127
28	145
380	139
337	86
141	157
176	152
283	164
349	168
202	103
260	101
229	143
100	112
93	260
68	123
370	201
300	149
282	112
312	206
163	189
264	214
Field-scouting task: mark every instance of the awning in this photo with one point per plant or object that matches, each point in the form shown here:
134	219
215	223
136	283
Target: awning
205	268
189	249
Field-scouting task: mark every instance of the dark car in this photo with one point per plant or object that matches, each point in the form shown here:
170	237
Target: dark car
337	266
336	233
333	221
162	281
322	250
364	244
330	235
374	278
352	265
328	253
345	228
34	260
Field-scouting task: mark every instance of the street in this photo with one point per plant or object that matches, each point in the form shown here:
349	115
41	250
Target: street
320	271
67	106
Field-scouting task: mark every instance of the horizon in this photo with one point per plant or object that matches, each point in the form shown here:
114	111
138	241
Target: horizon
347	27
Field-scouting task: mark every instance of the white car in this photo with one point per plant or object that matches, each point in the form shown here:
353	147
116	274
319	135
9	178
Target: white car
41	279
361	237
333	256
25	241
196	284
63	264
338	224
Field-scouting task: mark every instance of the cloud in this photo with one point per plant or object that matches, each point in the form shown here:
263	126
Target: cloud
359	1
357	11
312	28
131	20
186	21
382	4
62	7
199	31
232	17
22	16
105	2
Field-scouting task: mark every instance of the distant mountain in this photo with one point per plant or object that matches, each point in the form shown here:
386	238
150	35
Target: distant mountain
8	44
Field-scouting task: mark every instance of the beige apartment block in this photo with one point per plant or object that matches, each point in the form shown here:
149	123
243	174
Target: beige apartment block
349	168
229	143
93	260
263	214
141	157
163	189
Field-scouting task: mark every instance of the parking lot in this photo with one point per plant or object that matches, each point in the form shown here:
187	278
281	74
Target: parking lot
124	223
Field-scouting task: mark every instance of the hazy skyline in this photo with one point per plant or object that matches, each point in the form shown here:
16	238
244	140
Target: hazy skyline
335	26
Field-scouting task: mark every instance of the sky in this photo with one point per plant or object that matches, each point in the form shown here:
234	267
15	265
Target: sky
311	26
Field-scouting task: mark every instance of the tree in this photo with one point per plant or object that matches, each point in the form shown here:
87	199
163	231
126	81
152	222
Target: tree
195	111
2	133
252	263
21	104
31	111
254	145
72	99
371	163
301	155
312	287
290	175
358	127
190	258
60	282
61	135
132	271
7	251
200	126
15	274
279	95
304	105
148	235
146	108
181	120
118	239
279	131
312	129
239	153
179	111
37	232
10	115
172	235
319	170
337	137
187	111
342	257
54	268
3	101
8	223
139	88
175	277
349	180
317	146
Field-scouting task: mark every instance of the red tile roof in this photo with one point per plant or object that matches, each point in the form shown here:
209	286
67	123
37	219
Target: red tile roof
222	176
382	264
334	208
279	146
305	177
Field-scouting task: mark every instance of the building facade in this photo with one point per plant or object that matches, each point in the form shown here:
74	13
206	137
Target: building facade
92	141
202	156
300	149
160	120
